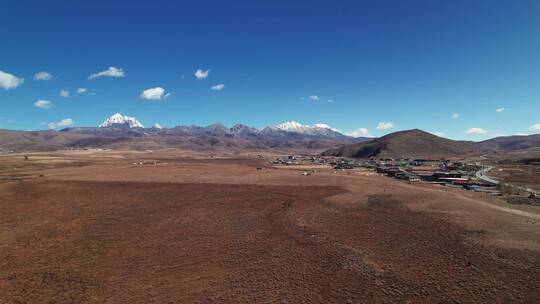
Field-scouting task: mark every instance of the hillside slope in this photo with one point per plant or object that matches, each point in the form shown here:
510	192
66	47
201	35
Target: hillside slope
511	143
406	144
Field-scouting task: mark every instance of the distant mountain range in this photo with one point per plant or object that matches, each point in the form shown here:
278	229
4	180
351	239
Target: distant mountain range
125	132
420	144
281	130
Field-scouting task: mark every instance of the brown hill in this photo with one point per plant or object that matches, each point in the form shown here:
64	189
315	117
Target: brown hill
37	140
511	143
406	144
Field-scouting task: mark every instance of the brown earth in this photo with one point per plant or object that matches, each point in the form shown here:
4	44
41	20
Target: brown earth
518	174
95	228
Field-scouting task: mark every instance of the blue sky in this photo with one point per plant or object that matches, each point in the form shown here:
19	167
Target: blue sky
394	65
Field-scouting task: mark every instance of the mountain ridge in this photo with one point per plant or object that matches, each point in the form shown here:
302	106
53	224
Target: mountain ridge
511	143
125	132
322	130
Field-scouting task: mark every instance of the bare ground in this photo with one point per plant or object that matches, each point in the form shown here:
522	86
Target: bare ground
98	229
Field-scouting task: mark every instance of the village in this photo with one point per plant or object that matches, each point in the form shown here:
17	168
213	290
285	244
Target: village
458	174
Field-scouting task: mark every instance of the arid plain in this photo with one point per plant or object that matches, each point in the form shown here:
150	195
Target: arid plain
173	227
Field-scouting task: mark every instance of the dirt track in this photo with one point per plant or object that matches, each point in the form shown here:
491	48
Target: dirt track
224	232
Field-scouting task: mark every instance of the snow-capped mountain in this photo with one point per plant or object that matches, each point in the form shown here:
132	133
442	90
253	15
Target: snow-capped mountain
292	126
119	120
315	130
124	131
290	130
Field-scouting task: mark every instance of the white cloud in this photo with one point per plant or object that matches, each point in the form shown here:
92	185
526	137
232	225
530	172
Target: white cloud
110	72
330	100
154	93
64	93
385	125
535	127
314	97
9	81
61	124
476	131
43	76
43	104
455	115
81	90
218	87
499	110
361	132
200	74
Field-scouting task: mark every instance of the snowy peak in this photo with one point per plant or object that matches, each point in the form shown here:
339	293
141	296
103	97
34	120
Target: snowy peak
316	129
289	129
291	126
118	120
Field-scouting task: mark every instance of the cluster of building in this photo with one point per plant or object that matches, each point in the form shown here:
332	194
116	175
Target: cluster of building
443	172
304	159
